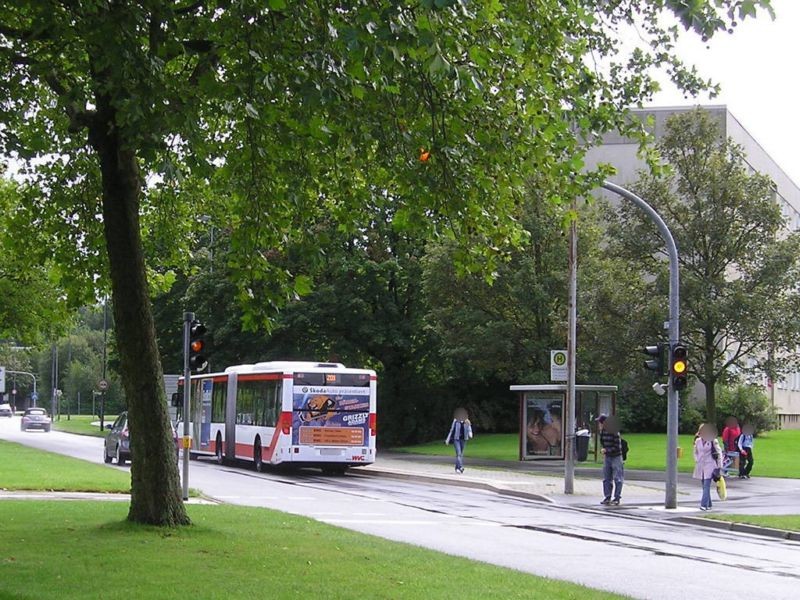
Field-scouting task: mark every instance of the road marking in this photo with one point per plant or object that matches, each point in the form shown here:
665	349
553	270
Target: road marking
379	522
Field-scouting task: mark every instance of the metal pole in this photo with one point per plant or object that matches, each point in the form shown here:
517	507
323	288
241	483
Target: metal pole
105	363
54	381
671	492
188	317
32	376
569	454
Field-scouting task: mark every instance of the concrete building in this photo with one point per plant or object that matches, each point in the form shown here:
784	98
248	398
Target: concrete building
621	152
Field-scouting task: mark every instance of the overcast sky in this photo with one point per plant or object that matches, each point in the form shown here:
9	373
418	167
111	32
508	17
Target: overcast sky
758	71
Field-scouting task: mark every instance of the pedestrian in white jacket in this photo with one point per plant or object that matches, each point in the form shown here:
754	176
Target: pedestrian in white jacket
460	432
707	459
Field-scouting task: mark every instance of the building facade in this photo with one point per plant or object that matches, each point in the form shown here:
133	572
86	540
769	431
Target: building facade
621	152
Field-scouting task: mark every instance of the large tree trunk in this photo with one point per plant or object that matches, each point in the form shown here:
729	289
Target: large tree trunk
155	494
709	376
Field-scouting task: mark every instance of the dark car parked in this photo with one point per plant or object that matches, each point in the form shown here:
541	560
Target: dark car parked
35	418
118	441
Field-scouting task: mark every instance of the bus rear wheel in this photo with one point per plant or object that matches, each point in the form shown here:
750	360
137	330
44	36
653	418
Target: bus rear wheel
258	461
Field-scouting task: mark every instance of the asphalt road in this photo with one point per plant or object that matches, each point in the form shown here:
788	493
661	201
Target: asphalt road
612	550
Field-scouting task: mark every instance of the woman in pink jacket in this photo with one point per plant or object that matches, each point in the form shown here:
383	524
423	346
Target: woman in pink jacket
707	458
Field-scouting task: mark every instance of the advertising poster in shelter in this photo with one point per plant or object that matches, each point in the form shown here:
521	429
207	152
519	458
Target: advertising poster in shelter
544	430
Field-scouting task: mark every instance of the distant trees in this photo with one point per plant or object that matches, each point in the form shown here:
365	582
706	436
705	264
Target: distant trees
740	267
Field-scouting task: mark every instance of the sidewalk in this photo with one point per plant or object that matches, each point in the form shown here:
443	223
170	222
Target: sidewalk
504	478
643	492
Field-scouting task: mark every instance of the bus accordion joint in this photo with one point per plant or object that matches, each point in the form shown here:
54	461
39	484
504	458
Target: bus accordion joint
373	424
286	422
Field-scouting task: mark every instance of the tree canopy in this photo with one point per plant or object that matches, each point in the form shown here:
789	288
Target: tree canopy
739	262
133	119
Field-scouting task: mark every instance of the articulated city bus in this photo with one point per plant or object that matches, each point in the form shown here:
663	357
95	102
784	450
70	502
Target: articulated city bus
298	413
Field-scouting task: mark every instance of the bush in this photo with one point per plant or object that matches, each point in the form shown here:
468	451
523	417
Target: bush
749	404
690	419
643	411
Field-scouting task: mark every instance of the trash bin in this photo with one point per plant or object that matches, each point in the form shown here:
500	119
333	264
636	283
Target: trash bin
582	444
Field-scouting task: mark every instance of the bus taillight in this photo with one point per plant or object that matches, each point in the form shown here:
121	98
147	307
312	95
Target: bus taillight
373	424
286	423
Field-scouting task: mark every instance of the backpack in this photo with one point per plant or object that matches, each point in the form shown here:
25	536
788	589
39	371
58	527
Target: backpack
624	444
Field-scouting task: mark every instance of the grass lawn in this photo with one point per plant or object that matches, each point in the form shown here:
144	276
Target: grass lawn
64	550
787	522
775	453
24	468
82	425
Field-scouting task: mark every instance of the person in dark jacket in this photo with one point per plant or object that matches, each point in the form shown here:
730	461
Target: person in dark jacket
460	432
613	471
745	445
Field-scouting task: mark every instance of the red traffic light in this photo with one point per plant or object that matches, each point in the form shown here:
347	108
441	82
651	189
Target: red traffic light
197	345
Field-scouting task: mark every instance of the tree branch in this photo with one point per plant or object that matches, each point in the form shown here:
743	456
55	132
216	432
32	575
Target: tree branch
190	8
79	117
17	59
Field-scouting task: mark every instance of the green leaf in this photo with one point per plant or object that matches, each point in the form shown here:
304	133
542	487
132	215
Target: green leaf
303	285
251	110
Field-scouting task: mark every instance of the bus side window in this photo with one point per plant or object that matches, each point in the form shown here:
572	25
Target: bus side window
219	399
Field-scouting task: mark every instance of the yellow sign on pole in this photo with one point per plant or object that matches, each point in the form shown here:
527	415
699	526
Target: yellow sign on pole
187	442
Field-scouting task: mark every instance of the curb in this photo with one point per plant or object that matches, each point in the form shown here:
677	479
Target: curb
468	483
769	532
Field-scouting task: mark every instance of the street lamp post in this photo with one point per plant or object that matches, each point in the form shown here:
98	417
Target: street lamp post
671	492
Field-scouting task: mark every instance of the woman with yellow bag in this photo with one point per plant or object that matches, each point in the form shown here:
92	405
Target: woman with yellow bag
707	460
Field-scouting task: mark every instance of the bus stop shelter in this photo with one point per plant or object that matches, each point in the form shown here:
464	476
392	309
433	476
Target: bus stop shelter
542	412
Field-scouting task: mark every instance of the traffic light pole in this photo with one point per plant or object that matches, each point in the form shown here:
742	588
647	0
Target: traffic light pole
671	493
188	317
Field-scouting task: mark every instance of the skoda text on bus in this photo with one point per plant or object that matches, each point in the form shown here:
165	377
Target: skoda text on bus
298	413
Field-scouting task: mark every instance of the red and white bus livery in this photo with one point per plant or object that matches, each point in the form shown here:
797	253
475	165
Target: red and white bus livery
299	413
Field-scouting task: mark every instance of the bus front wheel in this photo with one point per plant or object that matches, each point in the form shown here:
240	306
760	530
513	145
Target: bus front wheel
257	458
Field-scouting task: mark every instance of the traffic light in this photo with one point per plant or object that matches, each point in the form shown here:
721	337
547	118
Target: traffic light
679	367
197	346
657	362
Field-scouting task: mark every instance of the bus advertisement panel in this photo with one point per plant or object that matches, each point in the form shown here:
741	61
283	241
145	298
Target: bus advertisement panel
330	415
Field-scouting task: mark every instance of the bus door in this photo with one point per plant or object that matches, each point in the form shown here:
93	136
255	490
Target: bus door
331	411
206	392
230	416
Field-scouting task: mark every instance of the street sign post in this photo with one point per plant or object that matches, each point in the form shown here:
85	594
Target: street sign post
558	365
2	380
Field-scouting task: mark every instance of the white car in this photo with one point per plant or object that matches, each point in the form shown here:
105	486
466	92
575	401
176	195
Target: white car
5	411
